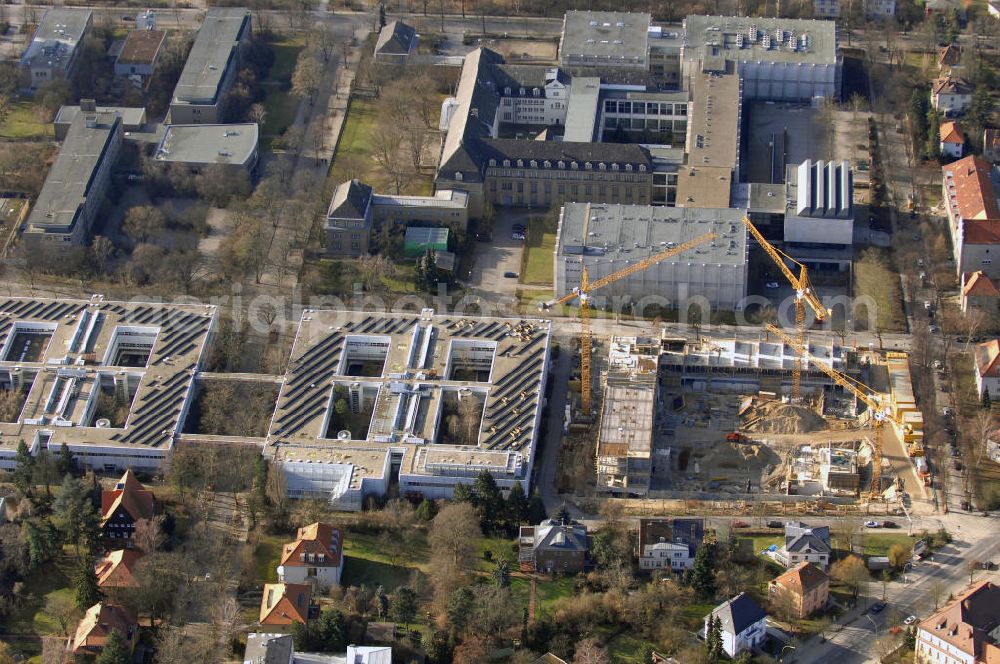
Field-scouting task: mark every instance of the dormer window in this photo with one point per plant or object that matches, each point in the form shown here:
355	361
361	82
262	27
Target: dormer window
535	92
458	176
588	166
573	165
602	166
562	164
614	167
506	91
506	163
520	163
522	92
642	167
547	163
628	167
493	162
533	163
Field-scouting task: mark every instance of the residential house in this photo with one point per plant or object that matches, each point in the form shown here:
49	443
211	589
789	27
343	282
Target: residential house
805	588
804	543
743	624
317	553
669	543
826	8
991	145
117	569
877	8
987	356
139	55
285	603
964	630
349	219
970	200
269	648
396	42
122	506
54	49
980	292
949	56
96	626
952	140
553	546
951	95
369	655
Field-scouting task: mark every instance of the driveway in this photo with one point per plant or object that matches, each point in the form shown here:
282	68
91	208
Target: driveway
503	254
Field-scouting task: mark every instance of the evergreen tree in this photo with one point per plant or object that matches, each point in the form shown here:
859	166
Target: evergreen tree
986	403
563	514
116	650
488	500
536	508
501	573
76	513
404	605
426	510
330	631
517	504
381	601
462	494
702	574
42	539
461	605
24	468
67	464
713	640
86	593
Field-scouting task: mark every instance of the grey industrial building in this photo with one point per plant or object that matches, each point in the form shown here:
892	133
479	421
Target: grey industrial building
607	238
54	48
211	67
199	146
67	205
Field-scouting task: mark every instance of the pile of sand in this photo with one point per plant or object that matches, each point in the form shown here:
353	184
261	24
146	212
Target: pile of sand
778	417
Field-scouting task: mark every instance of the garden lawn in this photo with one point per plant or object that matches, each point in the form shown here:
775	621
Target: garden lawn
267	557
538	259
281	105
29	617
878	544
22	122
547	591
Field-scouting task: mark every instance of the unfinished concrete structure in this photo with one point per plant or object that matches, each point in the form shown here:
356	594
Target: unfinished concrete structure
433	400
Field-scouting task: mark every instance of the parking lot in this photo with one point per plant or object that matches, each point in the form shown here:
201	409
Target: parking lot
500	256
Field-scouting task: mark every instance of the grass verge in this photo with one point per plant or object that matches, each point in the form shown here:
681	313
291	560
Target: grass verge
23	123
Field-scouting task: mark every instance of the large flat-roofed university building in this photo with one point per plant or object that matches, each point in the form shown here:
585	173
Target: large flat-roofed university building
435	399
200	146
67	359
67	205
211	67
54	48
608	238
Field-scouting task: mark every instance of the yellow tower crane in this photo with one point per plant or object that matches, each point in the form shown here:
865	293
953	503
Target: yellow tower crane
587	287
804	293
875	401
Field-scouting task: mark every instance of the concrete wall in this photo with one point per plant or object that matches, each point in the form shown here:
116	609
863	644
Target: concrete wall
822	230
780	81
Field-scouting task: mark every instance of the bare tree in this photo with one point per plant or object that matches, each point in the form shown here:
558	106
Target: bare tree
61	608
590	651
307	76
144	224
149	535
453	538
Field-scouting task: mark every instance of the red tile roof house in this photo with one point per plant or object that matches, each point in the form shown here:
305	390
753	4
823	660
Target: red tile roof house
952	140
96	626
973	216
317	553
980	292
988	367
122	506
117	569
964	630
285	603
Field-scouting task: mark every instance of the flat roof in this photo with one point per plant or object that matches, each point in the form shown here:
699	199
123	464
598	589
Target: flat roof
78	356
451	198
131	117
411	360
209	143
583	109
210	56
605	39
738	353
69	180
141	47
708	36
56	37
714	120
634	232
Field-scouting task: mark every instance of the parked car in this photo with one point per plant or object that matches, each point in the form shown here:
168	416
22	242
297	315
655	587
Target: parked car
517	236
775	524
872	524
890	524
740	524
510	275
772	284
934	329
877	607
910	620
927	305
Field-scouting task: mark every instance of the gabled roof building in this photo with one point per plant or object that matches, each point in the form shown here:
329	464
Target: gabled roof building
743	624
553	546
317	553
96	626
122	506
965	630
285	603
117	569
396	41
669	543
804	543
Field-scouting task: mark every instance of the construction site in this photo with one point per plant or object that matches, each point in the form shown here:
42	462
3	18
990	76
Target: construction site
776	415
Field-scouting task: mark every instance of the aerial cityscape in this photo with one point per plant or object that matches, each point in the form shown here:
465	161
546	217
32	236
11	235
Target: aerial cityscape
375	332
